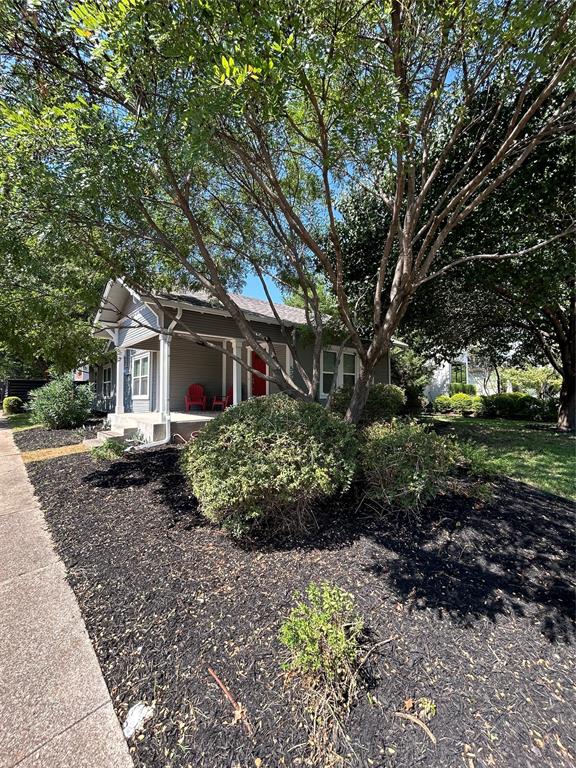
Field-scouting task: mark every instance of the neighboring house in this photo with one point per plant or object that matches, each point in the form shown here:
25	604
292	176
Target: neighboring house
464	369
157	359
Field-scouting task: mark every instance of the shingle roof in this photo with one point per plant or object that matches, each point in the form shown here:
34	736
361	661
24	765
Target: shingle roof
246	303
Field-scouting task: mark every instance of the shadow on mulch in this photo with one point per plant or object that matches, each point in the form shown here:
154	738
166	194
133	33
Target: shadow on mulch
461	559
471	603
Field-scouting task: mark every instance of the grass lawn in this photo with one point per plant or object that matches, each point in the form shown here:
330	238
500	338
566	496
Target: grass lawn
21	421
540	457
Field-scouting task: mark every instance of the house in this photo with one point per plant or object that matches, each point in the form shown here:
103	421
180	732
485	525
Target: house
465	368
157	358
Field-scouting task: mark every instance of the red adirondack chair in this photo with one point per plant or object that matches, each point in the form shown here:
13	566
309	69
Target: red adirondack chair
195	396
224	401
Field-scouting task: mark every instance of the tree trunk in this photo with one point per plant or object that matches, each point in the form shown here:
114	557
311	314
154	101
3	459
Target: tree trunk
567	409
359	396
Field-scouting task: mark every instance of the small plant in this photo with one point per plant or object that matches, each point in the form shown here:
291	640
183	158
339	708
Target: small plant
12	404
322	634
425	708
384	401
109	450
404	465
61	404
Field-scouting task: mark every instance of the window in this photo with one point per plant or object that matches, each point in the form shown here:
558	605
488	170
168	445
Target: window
328	370
345	374
458	373
107	381
348	369
140	367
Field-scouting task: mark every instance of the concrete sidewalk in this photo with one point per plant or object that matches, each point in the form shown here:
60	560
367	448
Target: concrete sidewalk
55	709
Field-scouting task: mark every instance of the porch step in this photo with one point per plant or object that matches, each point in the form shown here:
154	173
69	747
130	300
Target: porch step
102	436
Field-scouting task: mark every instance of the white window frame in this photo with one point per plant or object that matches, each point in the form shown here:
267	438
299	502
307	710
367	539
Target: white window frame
143	356
105	370
340	372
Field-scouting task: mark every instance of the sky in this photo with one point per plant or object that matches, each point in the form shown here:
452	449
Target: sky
253	288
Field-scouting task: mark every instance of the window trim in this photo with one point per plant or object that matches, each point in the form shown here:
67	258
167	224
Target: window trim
339	373
142	356
106	368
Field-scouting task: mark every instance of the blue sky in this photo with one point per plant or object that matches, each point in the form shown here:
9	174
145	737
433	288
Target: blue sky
253	288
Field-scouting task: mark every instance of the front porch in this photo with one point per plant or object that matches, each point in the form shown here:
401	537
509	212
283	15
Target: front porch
153	376
150	427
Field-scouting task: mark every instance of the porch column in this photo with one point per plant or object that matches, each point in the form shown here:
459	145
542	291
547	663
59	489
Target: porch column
164	374
236	372
120	355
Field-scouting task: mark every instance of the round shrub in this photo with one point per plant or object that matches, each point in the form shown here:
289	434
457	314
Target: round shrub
443	404
404	465
384	401
267	461
461	403
12	405
61	404
510	405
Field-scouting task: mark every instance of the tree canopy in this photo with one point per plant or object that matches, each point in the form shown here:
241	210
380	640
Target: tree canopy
185	142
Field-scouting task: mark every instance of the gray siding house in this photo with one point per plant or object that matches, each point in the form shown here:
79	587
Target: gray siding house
158	358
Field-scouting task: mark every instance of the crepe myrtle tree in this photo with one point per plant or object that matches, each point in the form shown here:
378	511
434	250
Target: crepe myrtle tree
210	140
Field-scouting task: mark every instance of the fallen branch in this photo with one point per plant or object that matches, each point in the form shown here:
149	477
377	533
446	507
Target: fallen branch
239	711
419	722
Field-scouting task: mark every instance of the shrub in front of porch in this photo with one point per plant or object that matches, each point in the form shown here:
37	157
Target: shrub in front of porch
61	404
267	461
384	401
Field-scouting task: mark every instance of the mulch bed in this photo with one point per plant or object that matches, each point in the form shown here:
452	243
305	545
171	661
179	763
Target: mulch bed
38	437
474	600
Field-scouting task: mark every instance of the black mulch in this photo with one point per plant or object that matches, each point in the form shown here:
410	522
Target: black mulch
38	437
477	601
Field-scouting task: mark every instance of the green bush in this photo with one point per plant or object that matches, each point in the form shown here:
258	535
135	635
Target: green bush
322	634
61	404
477	406
267	461
404	465
443	404
108	451
12	404
546	409
461	403
457	387
510	405
415	400
384	401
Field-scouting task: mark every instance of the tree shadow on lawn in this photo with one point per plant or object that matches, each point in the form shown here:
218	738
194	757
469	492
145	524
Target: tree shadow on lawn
460	559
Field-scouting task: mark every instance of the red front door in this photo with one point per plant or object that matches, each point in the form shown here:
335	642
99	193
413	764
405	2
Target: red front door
258	384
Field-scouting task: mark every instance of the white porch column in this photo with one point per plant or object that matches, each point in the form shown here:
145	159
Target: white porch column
164	374
224	346
120	355
236	372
